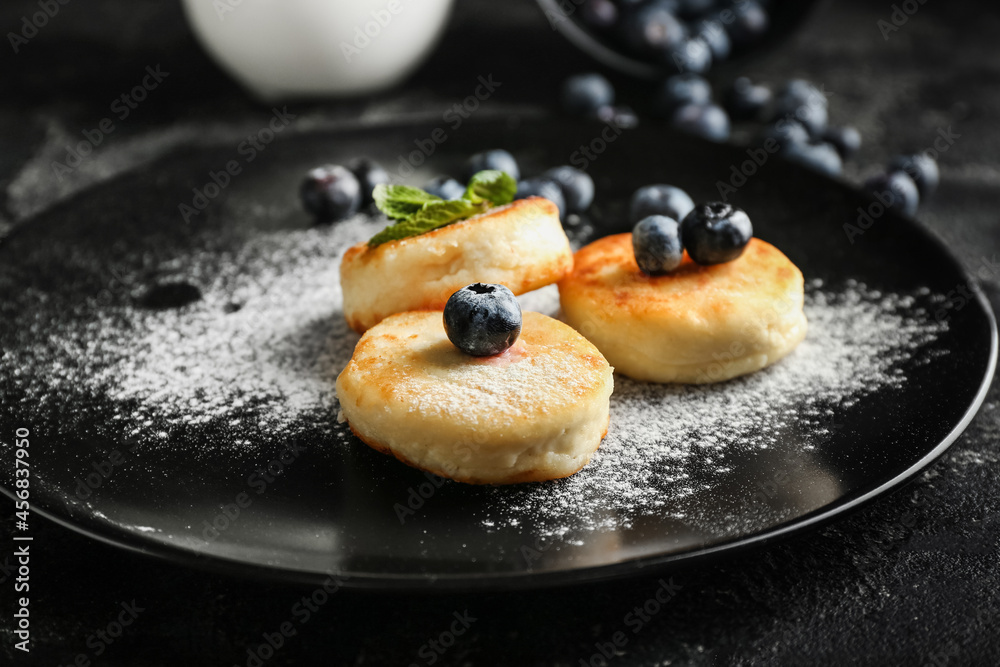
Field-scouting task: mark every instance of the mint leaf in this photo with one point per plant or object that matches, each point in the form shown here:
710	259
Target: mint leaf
400	201
496	187
418	212
432	215
440	213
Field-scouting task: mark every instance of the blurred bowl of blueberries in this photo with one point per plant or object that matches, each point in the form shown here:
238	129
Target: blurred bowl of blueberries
657	38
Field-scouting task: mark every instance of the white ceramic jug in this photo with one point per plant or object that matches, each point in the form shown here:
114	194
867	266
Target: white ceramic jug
282	49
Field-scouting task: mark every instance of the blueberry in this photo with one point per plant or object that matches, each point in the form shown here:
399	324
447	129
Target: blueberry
746	101
715	233
652	30
811	114
497	158
714	34
815	155
922	168
800	100
656	242
750	23
783	133
665	200
445	188
693	55
369	174
331	192
681	89
802	92
584	94
847	140
577	187
482	320
705	120
542	187
621	117
600	14
896	191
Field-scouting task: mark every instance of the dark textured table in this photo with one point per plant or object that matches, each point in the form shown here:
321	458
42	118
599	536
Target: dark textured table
911	579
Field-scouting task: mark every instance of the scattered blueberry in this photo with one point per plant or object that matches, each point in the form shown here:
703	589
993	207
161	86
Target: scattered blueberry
705	120
652	29
656	242
692	55
715	233
815	155
785	132
663	200
800	92
331	192
577	187
497	158
584	94
542	187
620	116
601	14
678	90
750	23
800	100
746	101
482	320
369	174
847	140
922	168
714	34
813	116
445	187
896	191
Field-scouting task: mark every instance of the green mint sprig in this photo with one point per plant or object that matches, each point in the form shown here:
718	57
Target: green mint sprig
417	212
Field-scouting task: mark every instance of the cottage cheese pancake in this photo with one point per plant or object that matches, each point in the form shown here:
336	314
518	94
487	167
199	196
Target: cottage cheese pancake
696	324
521	245
534	412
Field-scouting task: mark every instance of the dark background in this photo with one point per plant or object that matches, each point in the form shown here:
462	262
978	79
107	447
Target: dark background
911	579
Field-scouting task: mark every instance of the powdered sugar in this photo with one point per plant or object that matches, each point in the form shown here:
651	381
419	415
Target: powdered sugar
267	340
857	339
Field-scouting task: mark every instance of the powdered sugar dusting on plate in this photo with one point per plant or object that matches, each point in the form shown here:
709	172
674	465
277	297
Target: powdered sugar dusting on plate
268	338
857	339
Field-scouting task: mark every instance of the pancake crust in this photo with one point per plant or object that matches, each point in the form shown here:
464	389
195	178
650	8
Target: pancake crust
535	412
697	324
521	245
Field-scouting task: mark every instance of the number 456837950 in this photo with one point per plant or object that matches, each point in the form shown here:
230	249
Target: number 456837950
21	467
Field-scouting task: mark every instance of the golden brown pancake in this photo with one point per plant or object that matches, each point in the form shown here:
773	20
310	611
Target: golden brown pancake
521	245
696	324
535	412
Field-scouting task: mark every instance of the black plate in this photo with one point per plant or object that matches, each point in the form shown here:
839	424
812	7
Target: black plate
90	267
